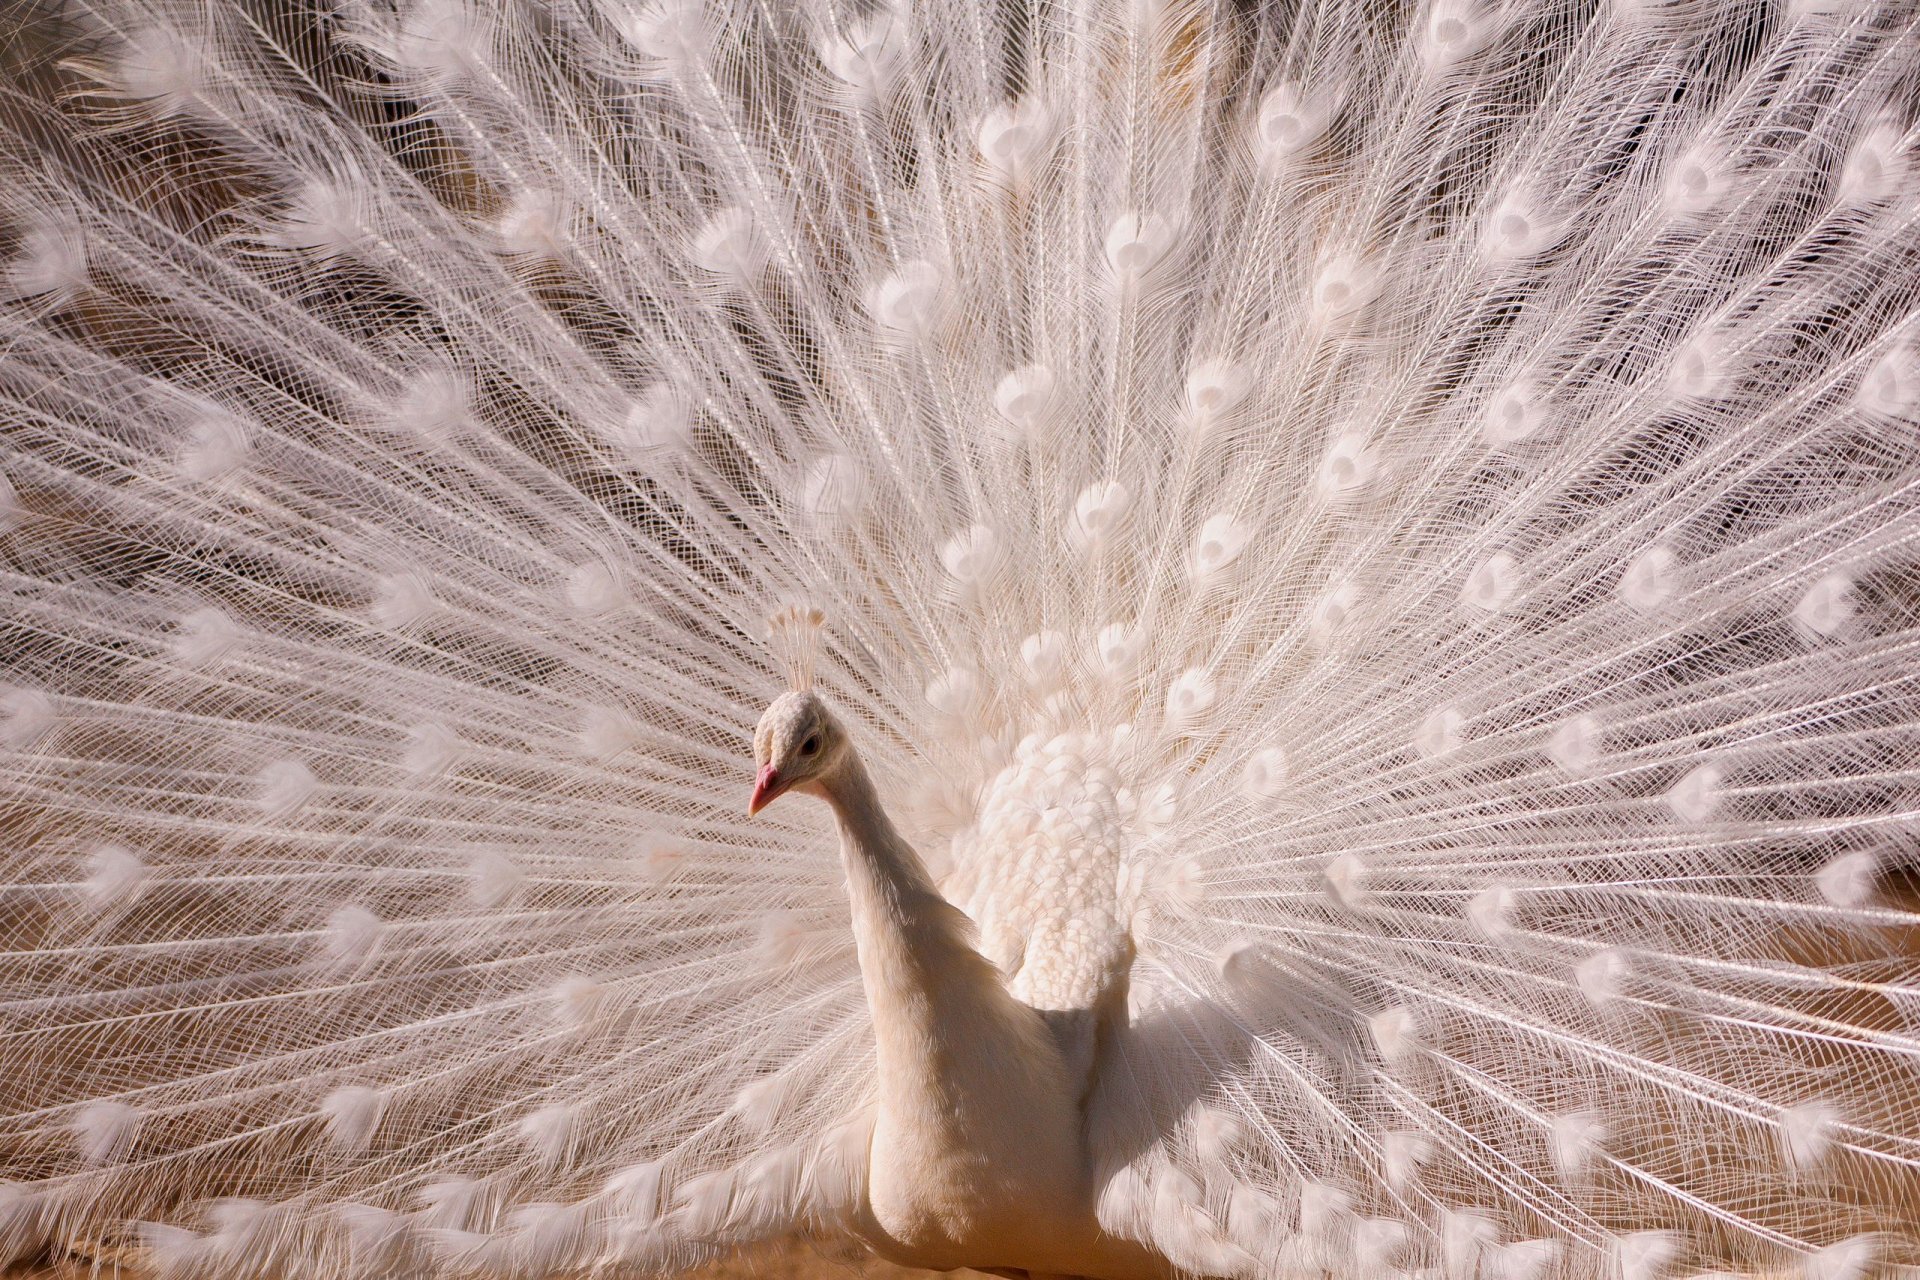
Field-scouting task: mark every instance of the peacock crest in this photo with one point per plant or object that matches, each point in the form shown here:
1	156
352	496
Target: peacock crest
794	635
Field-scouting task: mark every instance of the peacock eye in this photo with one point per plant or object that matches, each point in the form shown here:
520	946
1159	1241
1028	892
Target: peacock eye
811	745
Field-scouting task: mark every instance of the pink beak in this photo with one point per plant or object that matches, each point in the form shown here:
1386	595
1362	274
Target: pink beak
765	788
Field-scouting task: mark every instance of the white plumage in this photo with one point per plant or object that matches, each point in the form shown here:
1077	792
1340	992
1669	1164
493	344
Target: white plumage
1369	548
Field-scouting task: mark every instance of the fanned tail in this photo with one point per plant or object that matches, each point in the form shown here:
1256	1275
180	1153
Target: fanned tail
1384	533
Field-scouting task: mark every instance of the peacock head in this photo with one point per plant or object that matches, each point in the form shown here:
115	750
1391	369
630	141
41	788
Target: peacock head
797	743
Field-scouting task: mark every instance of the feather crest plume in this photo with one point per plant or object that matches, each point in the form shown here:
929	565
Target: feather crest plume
794	634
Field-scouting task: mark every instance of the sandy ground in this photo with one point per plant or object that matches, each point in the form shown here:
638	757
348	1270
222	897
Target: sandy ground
812	1260
788	1260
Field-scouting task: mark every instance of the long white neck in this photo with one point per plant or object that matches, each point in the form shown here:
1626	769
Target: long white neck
927	987
977	1148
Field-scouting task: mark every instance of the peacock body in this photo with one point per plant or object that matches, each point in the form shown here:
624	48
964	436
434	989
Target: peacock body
1368	555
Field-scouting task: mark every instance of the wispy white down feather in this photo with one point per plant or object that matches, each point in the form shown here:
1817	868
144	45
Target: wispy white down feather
352	1113
104	1131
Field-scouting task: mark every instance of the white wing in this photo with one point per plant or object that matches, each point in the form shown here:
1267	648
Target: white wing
1042	871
